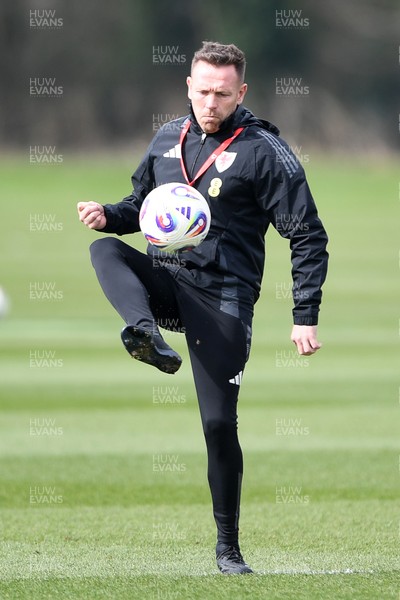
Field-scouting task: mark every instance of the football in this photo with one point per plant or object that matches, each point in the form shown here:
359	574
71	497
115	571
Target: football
174	217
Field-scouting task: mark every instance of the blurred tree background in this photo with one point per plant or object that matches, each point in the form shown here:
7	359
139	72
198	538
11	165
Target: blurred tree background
121	67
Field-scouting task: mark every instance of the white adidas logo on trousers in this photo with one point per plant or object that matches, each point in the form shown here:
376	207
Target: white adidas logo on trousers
237	380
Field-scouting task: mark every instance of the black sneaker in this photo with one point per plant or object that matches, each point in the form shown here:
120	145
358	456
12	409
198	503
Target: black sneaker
150	348
230	561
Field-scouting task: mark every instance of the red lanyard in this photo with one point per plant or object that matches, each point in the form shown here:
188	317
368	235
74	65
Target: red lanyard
210	159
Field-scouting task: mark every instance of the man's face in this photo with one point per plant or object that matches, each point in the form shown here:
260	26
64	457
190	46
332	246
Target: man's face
215	91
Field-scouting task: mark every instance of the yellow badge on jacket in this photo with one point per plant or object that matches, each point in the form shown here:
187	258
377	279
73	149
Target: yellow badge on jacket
215	187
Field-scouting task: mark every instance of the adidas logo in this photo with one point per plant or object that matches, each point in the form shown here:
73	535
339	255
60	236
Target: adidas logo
237	380
175	152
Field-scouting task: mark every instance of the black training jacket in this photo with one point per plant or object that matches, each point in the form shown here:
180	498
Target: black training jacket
257	181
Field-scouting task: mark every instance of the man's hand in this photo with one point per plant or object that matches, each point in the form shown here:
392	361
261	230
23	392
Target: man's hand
92	215
305	338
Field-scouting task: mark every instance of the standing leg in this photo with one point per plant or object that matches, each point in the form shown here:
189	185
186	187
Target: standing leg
218	352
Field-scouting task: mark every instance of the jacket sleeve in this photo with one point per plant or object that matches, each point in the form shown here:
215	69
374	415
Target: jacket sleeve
123	217
285	196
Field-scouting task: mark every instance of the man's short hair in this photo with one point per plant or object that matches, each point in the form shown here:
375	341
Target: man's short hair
218	54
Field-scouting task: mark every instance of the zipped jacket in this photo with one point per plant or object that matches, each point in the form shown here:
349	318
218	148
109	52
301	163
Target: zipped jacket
255	182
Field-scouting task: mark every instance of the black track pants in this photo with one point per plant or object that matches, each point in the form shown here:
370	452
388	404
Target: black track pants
144	293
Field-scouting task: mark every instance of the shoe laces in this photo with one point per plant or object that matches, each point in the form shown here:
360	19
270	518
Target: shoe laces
233	554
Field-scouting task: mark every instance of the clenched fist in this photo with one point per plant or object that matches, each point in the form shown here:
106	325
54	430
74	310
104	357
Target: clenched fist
92	215
305	338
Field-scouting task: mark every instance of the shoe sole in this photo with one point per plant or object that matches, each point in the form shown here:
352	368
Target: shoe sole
234	571
140	345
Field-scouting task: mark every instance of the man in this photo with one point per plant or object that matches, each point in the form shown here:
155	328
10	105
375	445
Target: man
250	179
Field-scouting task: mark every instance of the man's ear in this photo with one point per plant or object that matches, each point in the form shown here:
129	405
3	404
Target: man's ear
189	84
242	93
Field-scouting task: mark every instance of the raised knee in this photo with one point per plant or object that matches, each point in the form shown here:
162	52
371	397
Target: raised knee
102	246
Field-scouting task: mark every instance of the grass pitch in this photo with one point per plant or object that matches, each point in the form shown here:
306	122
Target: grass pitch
103	469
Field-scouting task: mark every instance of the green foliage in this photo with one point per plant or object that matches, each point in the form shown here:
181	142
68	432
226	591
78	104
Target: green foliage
105	56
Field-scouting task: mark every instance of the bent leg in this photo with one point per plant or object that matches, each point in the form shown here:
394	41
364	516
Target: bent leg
139	291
